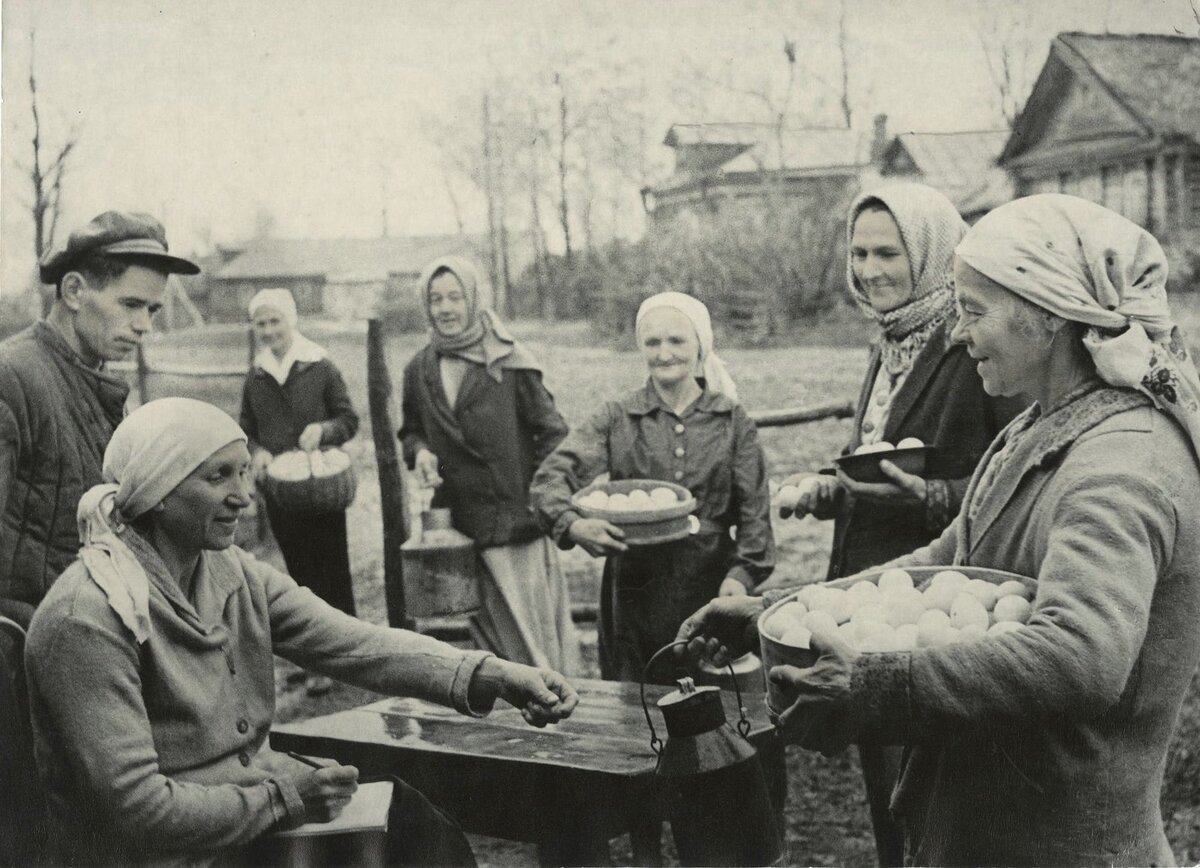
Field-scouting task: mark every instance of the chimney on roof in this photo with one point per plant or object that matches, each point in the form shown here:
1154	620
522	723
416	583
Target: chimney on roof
880	140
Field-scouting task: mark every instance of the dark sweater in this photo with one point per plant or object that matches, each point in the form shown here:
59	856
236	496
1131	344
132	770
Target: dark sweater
273	415
56	418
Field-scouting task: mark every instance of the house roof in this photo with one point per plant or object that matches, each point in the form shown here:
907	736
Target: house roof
723	149
1153	79
1157	77
949	161
329	257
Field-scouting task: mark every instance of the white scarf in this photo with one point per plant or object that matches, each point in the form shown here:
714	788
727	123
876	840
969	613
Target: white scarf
301	350
155	448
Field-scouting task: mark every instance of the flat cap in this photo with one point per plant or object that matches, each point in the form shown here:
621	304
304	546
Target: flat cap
120	234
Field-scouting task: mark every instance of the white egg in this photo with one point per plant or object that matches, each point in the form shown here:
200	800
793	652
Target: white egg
933	618
972	633
870	612
866	589
1011	587
984	591
820	622
618	502
906	636
797	637
778	625
949	578
869	448
795	609
1002	627
910	443
904	606
966	609
664	496
835	601
894	579
939	597
1012	608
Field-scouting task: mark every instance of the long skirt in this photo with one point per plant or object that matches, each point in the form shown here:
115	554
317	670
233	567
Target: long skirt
315	550
525	608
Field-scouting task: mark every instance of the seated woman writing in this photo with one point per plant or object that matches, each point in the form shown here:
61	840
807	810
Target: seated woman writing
151	676
1044	745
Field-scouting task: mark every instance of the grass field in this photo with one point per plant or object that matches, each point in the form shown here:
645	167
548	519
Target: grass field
827	818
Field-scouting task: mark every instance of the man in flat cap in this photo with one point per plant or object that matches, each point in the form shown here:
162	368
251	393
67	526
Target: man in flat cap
58	405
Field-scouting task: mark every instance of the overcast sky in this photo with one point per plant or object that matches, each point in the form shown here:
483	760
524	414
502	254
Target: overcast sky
206	112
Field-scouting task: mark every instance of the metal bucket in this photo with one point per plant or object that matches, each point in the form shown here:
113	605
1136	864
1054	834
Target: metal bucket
441	569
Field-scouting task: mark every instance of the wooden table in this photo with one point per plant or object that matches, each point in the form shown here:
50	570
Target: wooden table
568	788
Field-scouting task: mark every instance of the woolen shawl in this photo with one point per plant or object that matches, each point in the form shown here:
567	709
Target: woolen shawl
1088	264
154	449
485	341
930	227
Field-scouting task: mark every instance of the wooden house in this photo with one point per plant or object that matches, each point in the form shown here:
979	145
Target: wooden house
333	278
960	164
1116	119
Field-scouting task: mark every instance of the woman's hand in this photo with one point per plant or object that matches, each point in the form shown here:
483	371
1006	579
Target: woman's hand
731	588
807	494
722	630
310	437
425	465
259	463
326	791
905	489
544	696
597	536
819	713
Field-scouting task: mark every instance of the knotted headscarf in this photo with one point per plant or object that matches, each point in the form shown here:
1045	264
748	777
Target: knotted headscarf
716	377
485	340
301	350
930	227
1088	264
154	449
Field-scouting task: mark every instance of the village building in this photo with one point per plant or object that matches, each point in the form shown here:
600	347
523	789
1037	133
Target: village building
332	278
962	165
1116	119
733	168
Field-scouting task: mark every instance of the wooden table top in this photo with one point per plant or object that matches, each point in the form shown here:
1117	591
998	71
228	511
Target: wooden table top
607	733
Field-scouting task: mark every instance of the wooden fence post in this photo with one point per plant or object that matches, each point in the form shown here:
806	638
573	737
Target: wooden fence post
391	479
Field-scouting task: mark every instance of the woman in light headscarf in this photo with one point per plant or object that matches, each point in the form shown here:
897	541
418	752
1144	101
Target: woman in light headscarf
1045	745
295	398
477	422
900	240
683	426
151	678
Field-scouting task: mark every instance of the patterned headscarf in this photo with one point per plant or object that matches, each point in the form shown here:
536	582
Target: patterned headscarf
485	340
154	449
716	377
1088	264
929	226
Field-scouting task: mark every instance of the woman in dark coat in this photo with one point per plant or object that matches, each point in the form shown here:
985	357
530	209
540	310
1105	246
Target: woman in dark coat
295	398
901	240
477	422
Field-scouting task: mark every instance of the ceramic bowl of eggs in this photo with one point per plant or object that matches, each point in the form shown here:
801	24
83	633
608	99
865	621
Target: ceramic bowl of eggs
909	455
895	610
648	510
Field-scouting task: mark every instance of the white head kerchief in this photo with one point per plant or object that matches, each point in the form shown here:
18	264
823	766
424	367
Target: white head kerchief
154	449
301	350
1088	264
716	377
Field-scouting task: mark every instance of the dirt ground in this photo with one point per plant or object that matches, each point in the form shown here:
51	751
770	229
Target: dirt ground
827	821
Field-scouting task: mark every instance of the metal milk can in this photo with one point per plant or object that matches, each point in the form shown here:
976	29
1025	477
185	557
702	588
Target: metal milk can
441	568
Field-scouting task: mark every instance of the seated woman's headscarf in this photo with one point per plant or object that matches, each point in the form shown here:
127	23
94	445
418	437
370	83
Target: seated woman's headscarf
301	350
1090	265
485	340
154	449
716	377
930	227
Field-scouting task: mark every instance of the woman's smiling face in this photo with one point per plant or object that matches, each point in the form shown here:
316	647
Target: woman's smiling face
880	261
202	511
1002	332
448	307
669	345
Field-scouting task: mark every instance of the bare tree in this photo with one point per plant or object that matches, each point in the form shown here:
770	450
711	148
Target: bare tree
564	214
1008	51
48	167
844	57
